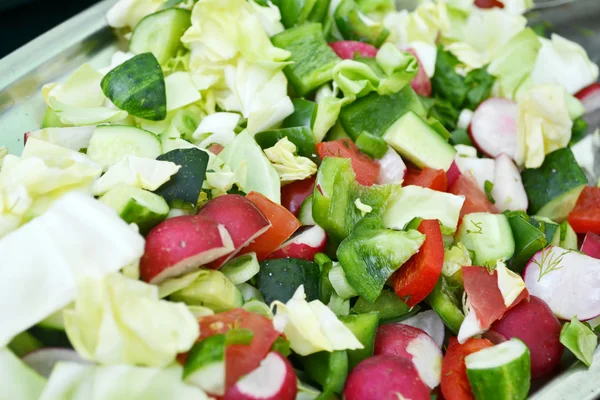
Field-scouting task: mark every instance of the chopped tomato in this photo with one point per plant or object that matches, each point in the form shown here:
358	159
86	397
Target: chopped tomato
484	295
475	199
293	194
434	179
365	168
346	49
418	276
455	383
585	217
215	148
488	4
240	359
283	225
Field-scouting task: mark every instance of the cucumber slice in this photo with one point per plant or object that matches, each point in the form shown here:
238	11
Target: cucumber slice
183	189
160	33
500	372
305	213
375	113
135	205
340	284
241	269
278	279
488	236
565	237
414	139
138	87
205	365
312	59
110	143
364	327
327	369
553	188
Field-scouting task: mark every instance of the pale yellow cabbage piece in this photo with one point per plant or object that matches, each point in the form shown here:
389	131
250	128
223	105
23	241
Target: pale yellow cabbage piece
289	167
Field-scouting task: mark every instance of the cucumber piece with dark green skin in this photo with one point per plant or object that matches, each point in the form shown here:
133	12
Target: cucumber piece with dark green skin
529	239
160	33
300	136
183	189
553	188
375	113
110	143
328	369
278	279
135	205
352	25
305	112
364	327
138	87
312	59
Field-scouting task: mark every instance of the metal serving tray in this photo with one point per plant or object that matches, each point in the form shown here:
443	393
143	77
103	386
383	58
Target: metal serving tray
86	38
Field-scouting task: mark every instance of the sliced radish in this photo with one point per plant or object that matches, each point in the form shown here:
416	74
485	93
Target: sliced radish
591	245
452	174
43	361
482	169
242	219
182	244
304	245
413	344
346	49
508	192
493	128
274	379
590	97
568	281
464	119
74	138
420	83
392	168
431	323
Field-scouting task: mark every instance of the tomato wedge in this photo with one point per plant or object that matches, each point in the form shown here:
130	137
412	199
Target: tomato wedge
475	199
365	168
417	277
240	359
585	217
485	296
430	178
455	383
283	225
293	194
488	4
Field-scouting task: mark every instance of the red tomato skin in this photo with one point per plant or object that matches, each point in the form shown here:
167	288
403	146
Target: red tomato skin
488	4
418	276
346	49
475	199
430	178
455	383
585	217
240	359
365	168
293	194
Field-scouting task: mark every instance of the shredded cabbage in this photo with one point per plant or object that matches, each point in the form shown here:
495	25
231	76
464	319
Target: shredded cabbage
216	128
17	380
127	13
289	166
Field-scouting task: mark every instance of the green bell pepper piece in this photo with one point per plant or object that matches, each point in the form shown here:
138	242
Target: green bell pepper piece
388	305
371	145
300	136
445	301
353	24
329	369
305	112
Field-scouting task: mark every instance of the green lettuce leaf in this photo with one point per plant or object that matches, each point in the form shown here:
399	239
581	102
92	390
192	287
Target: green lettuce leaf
122	321
17	379
72	381
289	166
580	339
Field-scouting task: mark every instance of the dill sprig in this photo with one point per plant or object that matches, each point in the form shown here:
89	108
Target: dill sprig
550	262
478	227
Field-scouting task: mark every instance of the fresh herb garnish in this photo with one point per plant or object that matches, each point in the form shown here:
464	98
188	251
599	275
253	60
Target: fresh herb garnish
488	187
550	262
478	228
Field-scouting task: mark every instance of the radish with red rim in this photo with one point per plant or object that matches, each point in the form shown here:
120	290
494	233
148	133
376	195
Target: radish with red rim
414	345
182	244
431	323
304	245
43	360
242	219
420	83
590	97
385	377
568	281
493	128
274	379
453	173
508	191
591	245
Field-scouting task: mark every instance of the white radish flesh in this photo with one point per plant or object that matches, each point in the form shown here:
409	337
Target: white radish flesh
568	281
508	192
392	168
43	361
464	119
431	323
303	245
482	169
493	128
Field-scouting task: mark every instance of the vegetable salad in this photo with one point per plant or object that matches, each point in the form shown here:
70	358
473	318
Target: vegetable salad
305	199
